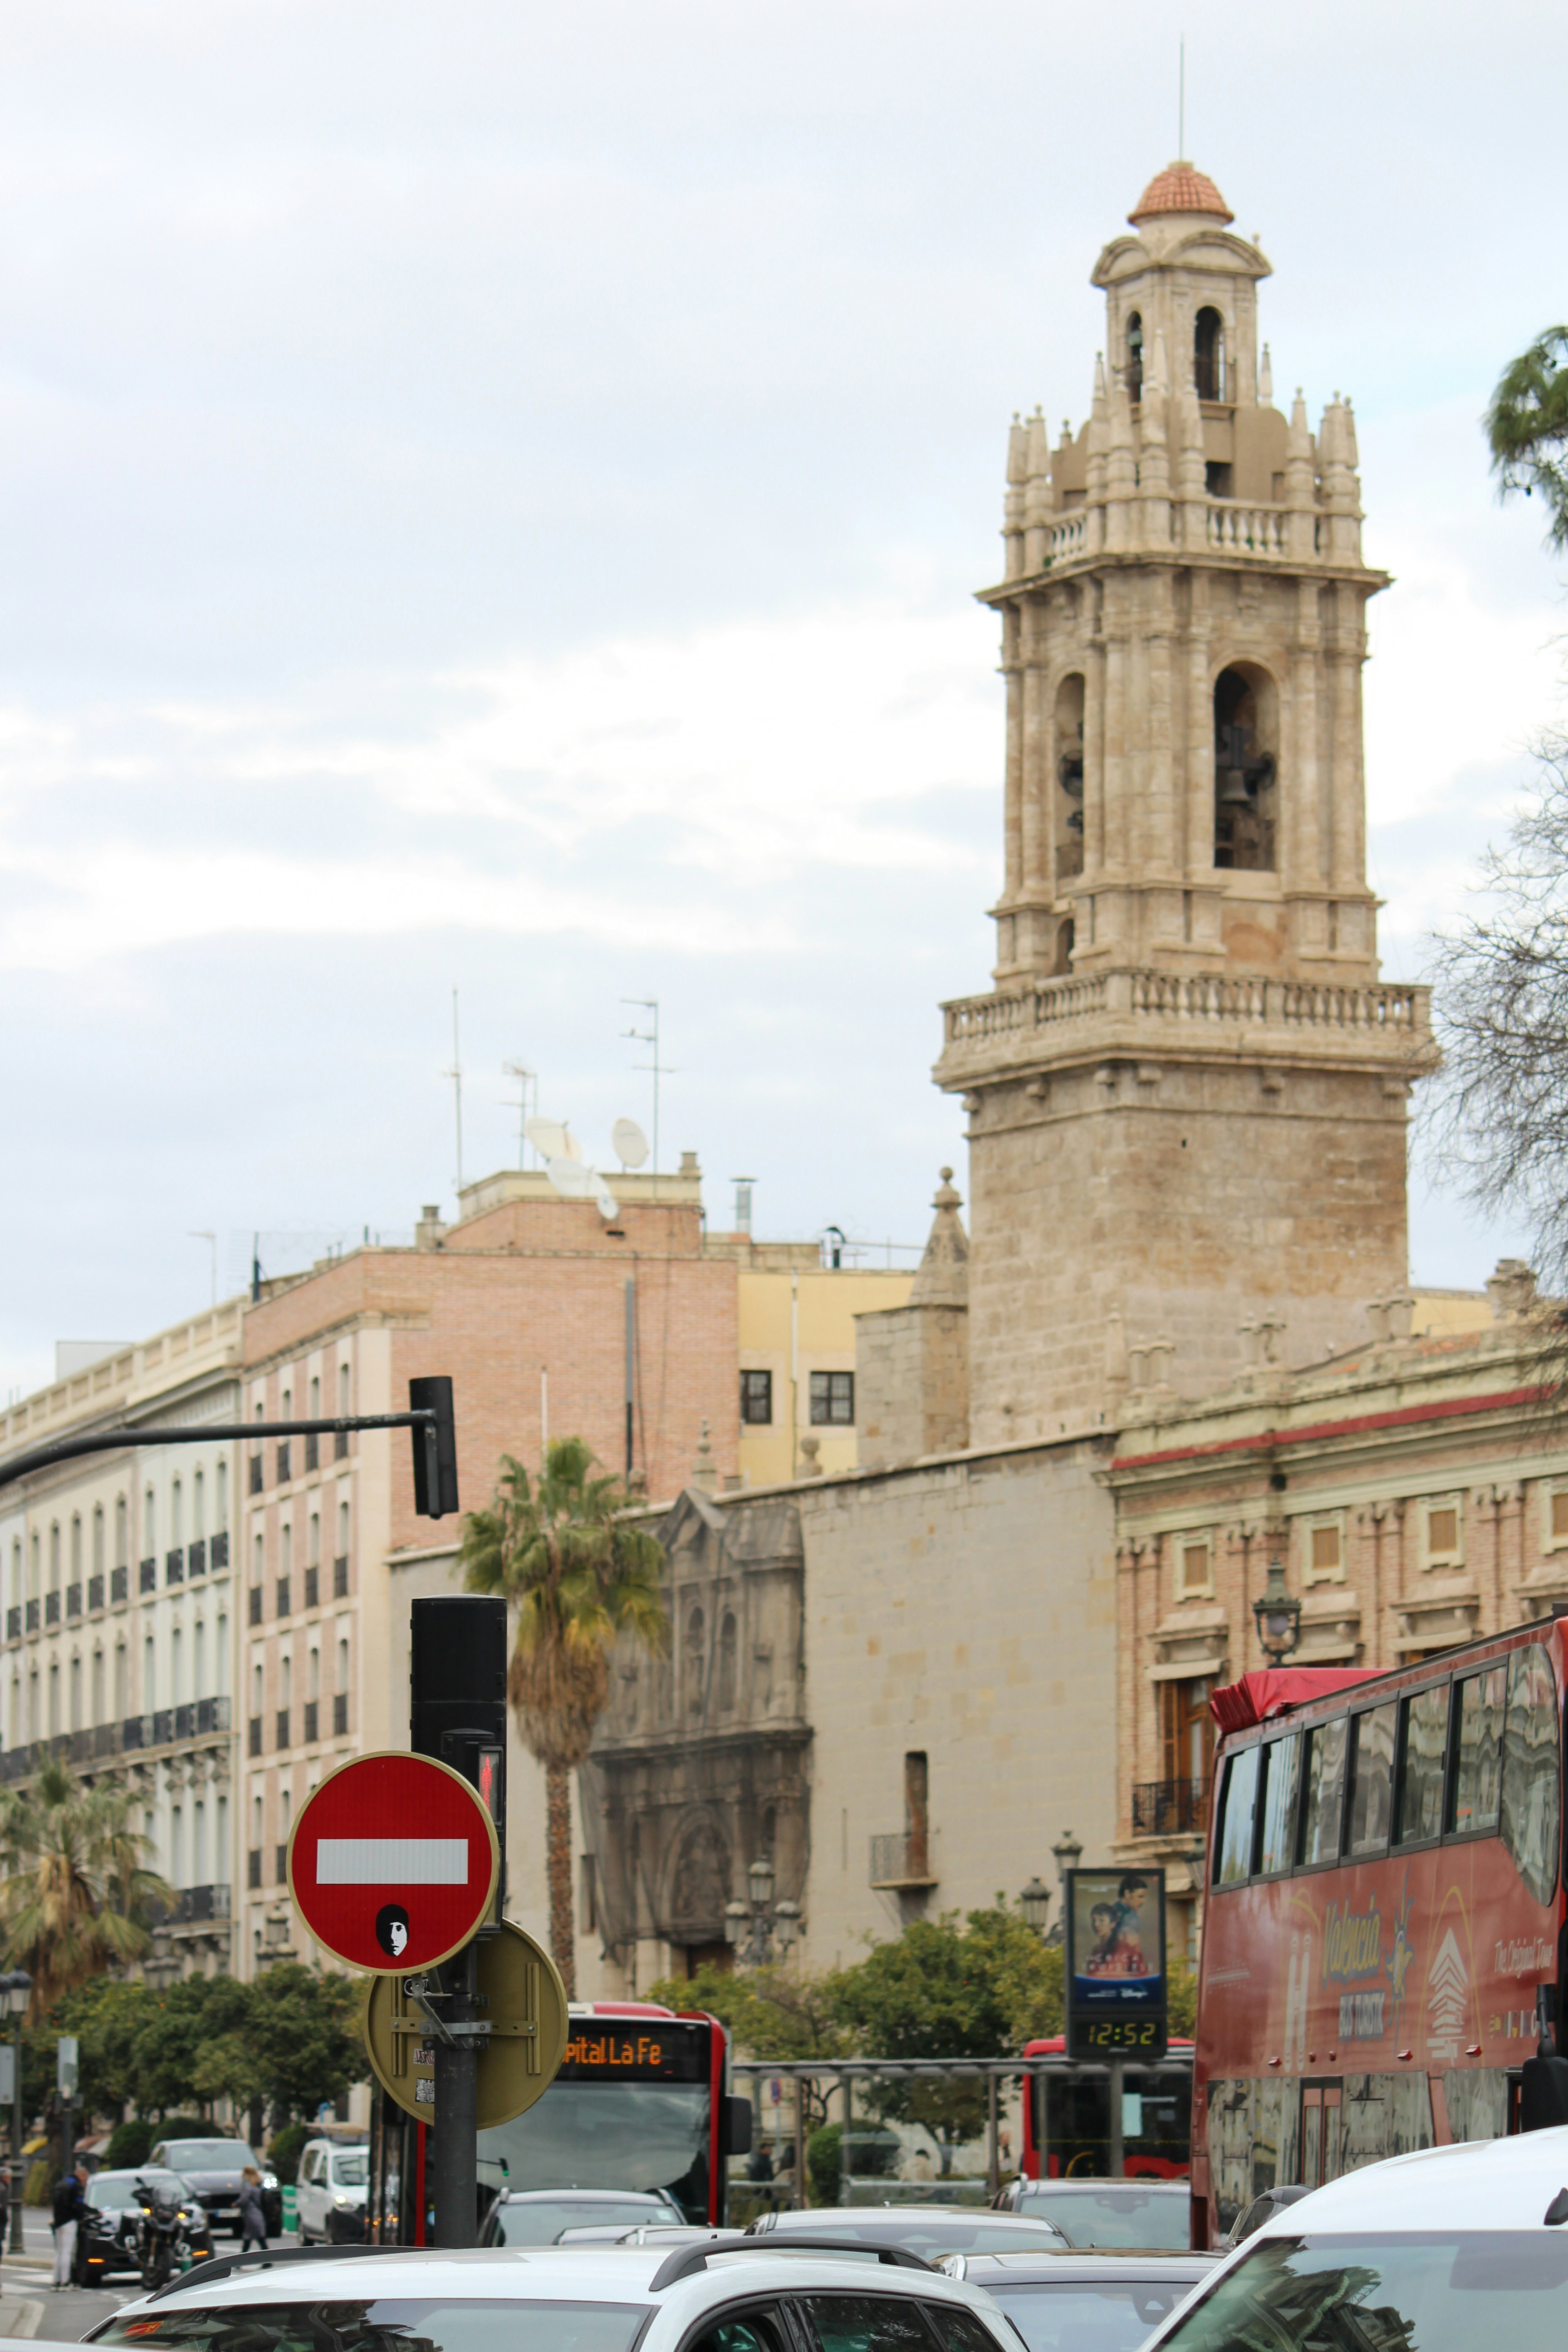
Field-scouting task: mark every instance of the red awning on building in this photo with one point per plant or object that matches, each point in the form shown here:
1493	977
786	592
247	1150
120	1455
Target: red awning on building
1269	1690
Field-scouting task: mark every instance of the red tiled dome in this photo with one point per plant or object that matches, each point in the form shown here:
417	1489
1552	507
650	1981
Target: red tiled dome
1180	189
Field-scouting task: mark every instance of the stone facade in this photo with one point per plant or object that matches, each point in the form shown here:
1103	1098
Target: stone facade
914	1361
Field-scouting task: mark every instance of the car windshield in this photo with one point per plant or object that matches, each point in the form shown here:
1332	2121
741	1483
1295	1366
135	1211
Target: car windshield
351	2169
1438	2291
388	2325
539	2220
112	2196
1149	2219
209	2154
1089	2314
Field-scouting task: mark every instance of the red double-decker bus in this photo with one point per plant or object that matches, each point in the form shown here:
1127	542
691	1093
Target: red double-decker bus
1067	2115
1384	1904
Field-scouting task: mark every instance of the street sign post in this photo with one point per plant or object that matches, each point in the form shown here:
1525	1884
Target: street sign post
393	1863
524	2030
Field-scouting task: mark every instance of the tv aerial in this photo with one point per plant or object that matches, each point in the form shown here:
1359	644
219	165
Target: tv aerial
630	1143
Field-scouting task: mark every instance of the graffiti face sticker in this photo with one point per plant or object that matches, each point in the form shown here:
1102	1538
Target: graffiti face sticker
391	1929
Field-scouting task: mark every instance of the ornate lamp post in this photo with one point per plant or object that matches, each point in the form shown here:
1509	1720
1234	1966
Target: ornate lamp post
17	1987
1278	1615
754	1928
1067	1854
1035	1902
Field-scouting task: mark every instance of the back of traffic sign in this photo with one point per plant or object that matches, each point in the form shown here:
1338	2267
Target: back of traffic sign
393	1862
525	2010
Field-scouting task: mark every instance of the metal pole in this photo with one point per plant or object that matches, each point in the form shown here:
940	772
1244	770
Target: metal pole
799	2145
17	2243
1117	2159
994	2168
456	2129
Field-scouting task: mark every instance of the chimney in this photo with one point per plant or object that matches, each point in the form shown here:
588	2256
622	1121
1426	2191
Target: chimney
743	1204
428	1231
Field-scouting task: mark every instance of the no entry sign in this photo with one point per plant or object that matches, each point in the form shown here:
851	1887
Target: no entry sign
393	1863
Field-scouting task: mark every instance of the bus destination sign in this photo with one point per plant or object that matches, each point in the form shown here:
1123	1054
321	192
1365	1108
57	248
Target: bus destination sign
636	2048
1116	1964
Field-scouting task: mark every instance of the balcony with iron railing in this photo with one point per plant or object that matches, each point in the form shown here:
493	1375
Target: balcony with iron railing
902	1859
1169	1808
169	1726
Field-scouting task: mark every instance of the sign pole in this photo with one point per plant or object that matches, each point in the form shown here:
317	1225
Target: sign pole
1118	2152
455	2137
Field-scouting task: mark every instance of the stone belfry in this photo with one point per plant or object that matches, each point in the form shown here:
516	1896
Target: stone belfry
1187	1088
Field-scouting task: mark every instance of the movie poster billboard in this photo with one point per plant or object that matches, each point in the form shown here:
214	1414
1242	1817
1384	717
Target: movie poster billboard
1116	1963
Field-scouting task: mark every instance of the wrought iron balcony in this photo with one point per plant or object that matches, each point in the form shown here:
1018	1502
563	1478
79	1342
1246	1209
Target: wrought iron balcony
1169	1808
197	1558
51	1608
175	1566
340	1577
312	1587
218	1550
73	1600
120	1584
95	1592
196	1904
149	1576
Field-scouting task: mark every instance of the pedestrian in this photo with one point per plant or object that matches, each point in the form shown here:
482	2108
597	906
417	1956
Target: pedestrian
70	2197
252	2213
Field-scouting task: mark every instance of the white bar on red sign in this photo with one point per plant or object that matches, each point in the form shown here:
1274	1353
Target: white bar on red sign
391	1862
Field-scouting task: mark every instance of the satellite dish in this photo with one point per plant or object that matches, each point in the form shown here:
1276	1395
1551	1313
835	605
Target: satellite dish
569	1178
605	1201
630	1142
548	1135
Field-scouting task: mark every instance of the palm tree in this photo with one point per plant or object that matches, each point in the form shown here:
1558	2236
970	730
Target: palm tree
578	1575
77	1895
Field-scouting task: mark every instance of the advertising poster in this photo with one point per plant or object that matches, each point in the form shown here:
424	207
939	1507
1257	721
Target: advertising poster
1116	1962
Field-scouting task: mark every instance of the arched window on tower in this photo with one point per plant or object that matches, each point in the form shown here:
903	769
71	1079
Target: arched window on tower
695	1663
1208	354
1067	796
1135	357
1246	769
727	1648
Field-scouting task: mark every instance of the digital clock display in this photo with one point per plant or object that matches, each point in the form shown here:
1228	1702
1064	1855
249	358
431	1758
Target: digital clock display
1098	2036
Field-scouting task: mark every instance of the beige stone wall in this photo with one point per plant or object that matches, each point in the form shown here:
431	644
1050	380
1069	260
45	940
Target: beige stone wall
912	1383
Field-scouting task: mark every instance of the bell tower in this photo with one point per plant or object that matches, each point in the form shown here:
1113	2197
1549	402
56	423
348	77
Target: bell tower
1187	1088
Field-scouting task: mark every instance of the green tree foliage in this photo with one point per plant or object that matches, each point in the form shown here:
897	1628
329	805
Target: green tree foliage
284	2149
775	2012
303	2028
77	1895
129	2143
578	1575
1526	427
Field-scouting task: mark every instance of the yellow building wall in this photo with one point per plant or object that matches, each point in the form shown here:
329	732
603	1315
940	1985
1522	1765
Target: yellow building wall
793	1324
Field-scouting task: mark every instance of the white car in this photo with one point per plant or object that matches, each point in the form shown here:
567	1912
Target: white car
330	2193
1445	2250
738	2294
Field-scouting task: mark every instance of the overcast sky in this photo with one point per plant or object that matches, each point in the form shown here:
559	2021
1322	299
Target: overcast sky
490	496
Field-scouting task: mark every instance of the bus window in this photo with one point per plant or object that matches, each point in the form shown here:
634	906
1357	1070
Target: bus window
1530	1804
1478	1777
1423	1746
1324	1791
1372	1779
1281	1773
1235	1846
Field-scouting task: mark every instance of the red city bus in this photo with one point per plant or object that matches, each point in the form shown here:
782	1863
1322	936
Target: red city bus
1385	1902
640	2101
1067	2115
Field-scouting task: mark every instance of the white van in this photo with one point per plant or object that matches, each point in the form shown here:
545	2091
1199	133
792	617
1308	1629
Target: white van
1447	2249
330	2193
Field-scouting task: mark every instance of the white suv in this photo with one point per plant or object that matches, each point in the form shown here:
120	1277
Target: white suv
330	2193
1446	2249
734	2294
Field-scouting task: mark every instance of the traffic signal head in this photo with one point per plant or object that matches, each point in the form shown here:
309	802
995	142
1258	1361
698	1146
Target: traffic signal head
456	1709
435	1447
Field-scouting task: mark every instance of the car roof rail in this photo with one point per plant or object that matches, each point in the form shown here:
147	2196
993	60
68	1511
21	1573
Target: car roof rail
261	2258
688	2260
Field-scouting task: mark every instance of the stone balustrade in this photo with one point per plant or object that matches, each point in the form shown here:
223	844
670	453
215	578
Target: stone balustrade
1385	1010
1247	530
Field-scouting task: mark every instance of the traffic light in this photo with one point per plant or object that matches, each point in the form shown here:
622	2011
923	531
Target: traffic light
435	1447
457	1695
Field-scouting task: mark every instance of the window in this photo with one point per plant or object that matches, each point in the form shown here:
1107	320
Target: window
1208	354
1234	1851
1194	1566
1245	770
1423	1753
121	1532
1478	1777
149	1523
833	1400
1324	1782
1135	357
98	1540
1554	1519
917	1814
1281	1780
149	1676
1445	1544
176	1514
1186	1729
1371	1779
1530	1776
220	1512
727	1659
1325	1552
757	1399
694	1662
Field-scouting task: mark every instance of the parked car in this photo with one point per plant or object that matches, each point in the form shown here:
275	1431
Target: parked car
1084	2303
1446	2248
738	2294
929	2231
536	2217
109	2234
330	2194
213	2168
1153	2214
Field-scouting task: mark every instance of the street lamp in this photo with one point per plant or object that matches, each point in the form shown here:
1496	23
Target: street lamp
1035	1902
1067	1854
754	1928
1278	1615
17	1987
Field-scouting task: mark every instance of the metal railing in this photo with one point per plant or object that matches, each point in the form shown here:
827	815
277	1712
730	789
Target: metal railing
1169	1808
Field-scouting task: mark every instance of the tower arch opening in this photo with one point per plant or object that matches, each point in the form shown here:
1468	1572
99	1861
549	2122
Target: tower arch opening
1067	796
1246	769
1135	356
1208	353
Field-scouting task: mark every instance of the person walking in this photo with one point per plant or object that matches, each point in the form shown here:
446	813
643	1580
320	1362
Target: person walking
70	2197
252	2213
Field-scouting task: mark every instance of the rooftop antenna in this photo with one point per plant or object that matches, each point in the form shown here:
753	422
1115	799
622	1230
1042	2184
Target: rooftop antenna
455	1075
525	1079
211	1241
1182	98
659	1068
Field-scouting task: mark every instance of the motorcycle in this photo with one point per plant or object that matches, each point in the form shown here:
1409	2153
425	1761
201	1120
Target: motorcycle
171	2234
